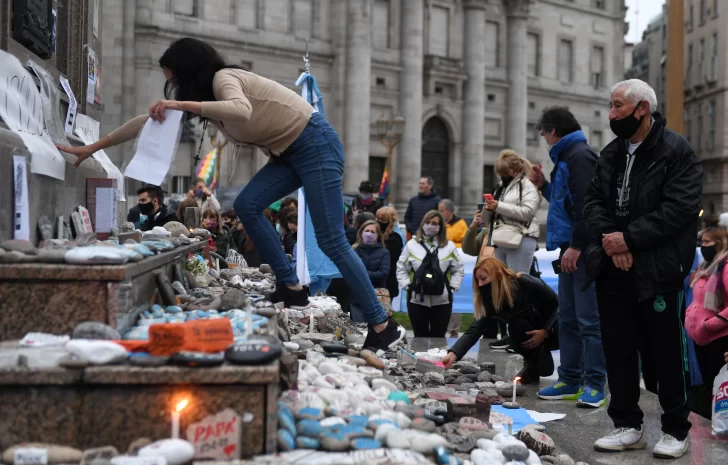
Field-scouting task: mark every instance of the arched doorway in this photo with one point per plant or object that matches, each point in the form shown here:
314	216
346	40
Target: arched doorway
436	155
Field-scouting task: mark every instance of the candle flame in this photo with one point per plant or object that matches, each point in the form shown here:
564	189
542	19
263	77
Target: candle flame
181	406
516	379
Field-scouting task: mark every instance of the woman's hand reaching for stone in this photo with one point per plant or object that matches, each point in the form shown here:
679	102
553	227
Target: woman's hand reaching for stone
448	360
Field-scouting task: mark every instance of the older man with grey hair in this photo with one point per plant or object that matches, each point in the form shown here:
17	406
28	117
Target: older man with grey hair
642	212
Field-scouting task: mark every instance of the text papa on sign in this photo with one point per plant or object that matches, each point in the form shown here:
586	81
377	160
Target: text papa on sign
222	428
19	97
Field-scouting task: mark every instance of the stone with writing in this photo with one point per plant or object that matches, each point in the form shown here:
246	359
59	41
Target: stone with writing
217	437
539	442
470	423
57	454
254	351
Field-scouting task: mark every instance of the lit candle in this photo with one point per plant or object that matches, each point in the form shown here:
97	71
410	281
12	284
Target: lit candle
515	382
175	418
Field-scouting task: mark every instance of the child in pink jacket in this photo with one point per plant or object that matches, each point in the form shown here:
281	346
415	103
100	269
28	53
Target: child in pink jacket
706	319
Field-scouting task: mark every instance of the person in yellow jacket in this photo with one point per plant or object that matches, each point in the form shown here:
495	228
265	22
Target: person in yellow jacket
456	229
456	226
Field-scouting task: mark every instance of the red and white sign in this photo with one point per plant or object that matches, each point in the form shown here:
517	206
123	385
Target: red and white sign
217	437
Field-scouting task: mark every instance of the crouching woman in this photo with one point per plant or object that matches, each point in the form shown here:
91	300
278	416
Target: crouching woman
526	304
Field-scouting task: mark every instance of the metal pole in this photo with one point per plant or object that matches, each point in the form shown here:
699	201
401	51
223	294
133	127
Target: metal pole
675	65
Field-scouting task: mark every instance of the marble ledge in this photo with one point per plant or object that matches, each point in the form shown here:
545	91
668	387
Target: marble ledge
129	375
66	272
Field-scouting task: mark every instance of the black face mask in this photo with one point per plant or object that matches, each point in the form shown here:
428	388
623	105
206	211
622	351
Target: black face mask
146	208
627	126
708	252
383	226
506	180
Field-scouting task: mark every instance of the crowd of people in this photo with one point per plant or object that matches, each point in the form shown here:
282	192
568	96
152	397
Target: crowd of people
625	222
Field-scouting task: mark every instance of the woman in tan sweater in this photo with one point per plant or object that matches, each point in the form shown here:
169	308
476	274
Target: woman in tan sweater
304	150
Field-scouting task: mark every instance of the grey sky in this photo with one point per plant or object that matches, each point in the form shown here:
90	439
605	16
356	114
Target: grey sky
639	14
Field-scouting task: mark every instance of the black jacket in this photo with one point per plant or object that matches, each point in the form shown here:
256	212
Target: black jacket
394	245
664	204
530	293
162	217
418	206
371	207
376	261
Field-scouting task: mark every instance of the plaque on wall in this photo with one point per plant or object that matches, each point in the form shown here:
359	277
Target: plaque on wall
33	25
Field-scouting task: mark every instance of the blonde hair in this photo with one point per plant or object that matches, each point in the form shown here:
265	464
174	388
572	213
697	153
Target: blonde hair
388	215
359	233
441	236
502	281
509	161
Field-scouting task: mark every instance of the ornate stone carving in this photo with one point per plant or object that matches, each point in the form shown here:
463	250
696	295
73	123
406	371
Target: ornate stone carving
518	7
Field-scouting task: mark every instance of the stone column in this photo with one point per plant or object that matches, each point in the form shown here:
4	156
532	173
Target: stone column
474	106
358	93
335	110
407	163
517	116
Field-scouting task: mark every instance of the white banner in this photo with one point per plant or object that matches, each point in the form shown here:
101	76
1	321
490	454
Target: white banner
21	108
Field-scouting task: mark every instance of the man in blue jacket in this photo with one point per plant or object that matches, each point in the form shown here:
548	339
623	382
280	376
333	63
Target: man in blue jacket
582	373
426	200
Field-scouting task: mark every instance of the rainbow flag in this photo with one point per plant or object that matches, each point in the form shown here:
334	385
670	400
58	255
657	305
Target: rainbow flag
384	185
207	169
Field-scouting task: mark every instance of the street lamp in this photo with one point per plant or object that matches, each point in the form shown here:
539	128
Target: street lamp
390	134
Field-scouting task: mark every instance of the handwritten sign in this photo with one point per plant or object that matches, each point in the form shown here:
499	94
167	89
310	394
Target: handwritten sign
21	108
31	456
217	437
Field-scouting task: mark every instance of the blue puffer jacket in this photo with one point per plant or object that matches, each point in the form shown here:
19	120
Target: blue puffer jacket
376	261
574	167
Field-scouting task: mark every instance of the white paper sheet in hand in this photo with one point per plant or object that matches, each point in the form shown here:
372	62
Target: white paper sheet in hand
155	149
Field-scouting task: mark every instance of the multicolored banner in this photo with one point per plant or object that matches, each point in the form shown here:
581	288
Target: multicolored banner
384	186
207	169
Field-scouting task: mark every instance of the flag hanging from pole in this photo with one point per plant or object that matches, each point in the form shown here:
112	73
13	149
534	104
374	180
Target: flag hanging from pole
384	185
207	170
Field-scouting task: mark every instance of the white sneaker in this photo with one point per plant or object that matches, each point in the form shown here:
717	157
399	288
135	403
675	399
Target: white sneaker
621	439
669	447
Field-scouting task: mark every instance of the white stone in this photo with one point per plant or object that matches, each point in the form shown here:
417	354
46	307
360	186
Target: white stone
315	358
481	457
291	346
309	399
370	371
382	430
385	383
96	352
323	383
331	421
331	395
175	451
328	367
381	393
533	458
96	254
335	379
347	368
398	439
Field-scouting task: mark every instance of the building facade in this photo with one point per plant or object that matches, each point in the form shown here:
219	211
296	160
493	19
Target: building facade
470	77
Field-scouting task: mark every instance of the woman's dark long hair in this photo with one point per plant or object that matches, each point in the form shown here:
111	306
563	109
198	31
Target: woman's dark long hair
193	64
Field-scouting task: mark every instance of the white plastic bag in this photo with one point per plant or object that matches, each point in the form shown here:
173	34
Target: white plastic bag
720	403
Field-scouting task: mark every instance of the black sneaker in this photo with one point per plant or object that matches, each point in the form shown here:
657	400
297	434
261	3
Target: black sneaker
501	344
385	340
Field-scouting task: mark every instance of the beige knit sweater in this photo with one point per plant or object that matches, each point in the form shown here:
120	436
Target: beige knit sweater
250	110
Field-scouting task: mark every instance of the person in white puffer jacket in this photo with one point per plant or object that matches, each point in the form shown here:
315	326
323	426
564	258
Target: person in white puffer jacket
515	203
430	314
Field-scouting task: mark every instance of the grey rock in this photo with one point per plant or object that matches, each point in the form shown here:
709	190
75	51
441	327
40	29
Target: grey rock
52	255
265	269
305	344
515	453
234	298
563	459
18	245
191	280
487	366
462	380
179	289
316	338
45	227
484	377
547	459
334	443
423	424
433	379
177	229
127	227
482	434
150	361
468	369
228	274
507	390
511	405
11	257
71	361
95	330
352	339
460	443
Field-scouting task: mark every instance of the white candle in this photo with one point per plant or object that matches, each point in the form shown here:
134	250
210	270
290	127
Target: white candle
312	324
515	381
248	322
510	429
175	425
